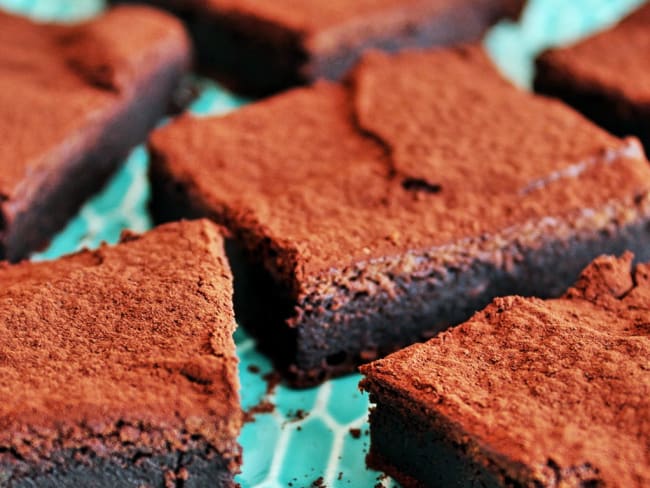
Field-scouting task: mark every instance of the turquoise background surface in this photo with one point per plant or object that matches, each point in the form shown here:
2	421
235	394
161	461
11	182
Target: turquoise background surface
282	447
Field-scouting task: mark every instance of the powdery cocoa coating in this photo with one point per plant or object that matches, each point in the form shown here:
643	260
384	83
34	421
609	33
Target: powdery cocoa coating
312	17
548	392
120	347
60	83
420	150
612	63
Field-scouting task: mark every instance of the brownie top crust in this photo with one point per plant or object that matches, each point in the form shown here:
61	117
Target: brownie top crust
312	17
418	150
58	80
548	393
613	61
122	346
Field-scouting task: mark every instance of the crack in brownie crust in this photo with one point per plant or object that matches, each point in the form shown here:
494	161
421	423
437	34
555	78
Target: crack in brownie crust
527	393
524	188
118	365
74	100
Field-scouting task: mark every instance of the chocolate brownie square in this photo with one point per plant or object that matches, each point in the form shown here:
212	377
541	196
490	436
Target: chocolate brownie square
528	393
118	366
606	77
374	214
261	47
74	99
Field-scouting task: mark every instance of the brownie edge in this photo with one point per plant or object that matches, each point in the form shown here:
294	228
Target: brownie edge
527	393
261	48
382	211
605	76
119	366
104	84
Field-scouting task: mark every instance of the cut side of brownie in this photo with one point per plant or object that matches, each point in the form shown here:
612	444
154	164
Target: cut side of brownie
74	99
261	47
371	215
528	393
118	366
606	77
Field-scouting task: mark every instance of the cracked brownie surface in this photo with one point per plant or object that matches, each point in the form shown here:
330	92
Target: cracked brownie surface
399	203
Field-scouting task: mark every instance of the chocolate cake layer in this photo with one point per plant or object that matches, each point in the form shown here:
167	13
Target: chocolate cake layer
263	47
74	99
371	215
606	77
118	366
527	393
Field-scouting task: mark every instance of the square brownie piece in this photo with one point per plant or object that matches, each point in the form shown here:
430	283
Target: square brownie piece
606	77
118	366
74	99
528	393
374	214
261	47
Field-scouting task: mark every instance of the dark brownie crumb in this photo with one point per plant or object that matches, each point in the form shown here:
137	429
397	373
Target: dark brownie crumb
272	379
356	433
253	369
296	416
264	406
319	483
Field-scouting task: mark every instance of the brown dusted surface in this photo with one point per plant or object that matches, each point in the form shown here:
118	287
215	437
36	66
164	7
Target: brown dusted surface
132	342
61	81
309	17
614	61
260	47
321	171
541	389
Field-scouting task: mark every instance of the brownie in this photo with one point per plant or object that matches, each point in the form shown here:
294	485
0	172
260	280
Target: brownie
527	393
371	215
74	99
118	366
606	77
261	47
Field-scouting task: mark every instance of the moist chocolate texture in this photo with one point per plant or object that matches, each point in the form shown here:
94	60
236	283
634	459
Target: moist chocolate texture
606	77
74	99
371	215
527	393
118	366
262	47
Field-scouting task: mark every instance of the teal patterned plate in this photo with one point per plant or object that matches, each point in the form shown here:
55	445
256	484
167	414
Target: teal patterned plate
322	432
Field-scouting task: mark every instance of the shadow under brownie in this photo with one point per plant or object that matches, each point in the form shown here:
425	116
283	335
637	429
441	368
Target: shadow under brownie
606	76
371	215
118	366
74	100
261	47
528	393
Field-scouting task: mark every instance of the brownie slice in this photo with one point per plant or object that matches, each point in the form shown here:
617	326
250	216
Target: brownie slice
74	99
606	77
261	47
118	366
528	393
375	214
